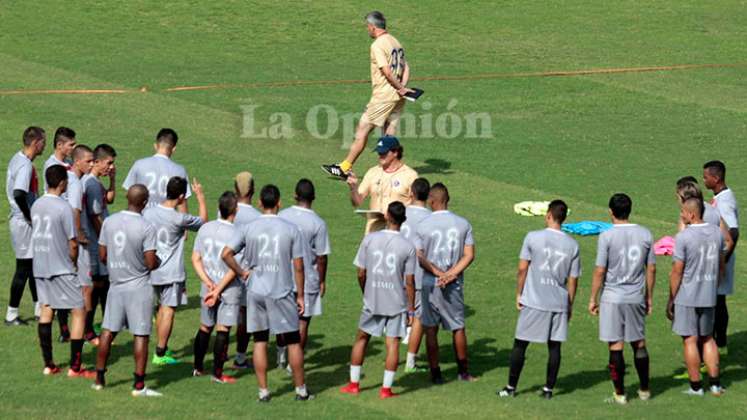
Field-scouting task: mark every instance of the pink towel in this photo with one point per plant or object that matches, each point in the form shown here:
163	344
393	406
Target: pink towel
664	246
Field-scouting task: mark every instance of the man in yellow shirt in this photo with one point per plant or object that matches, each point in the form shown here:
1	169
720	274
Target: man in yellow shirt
386	182
389	75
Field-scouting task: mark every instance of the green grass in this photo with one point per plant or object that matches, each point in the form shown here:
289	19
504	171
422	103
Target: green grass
579	138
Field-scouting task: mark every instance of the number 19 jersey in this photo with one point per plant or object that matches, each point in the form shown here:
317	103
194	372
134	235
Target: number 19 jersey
625	251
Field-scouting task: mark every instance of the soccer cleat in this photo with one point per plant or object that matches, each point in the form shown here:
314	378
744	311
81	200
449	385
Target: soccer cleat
241	366
97	387
164	360
51	370
145	392
289	370
197	372
681	376
546	393
82	373
690	391
264	399
466	377
644	395
224	379
170	353
351	388
415	369
617	399
335	170
92	339
717	390
385	393
306	397
15	322
97	328
63	338
506	392
437	380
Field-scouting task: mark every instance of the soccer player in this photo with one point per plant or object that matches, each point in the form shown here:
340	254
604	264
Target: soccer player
625	273
714	178
386	274
244	187
156	171
416	212
63	143
446	249
220	290
549	267
389	76
314	231
169	280
270	244
698	264
55	253
97	199
384	183
21	189
127	245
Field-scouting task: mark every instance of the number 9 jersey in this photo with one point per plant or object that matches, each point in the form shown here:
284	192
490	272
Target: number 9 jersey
127	236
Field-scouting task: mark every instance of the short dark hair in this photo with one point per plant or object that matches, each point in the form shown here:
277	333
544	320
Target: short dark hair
397	212
269	196
439	189
716	168
621	206
104	151
227	204
558	210
168	136
63	133
686	180
79	150
54	175
376	19
31	134
305	190
420	189
695	203
176	186
399	150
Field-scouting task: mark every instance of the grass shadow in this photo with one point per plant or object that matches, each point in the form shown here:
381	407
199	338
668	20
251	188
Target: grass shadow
434	166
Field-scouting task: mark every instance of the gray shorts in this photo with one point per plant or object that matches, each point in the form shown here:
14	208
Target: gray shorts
129	307
84	268
418	303
20	237
173	295
266	313
378	325
539	326
60	292
622	322
689	321
222	313
444	306
97	267
312	305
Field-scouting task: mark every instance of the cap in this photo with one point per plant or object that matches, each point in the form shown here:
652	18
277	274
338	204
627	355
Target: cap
386	144
244	182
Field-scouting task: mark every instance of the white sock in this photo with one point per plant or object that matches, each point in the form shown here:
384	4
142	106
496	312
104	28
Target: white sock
37	309
546	389
301	390
263	392
388	378
355	374
240	358
11	314
410	360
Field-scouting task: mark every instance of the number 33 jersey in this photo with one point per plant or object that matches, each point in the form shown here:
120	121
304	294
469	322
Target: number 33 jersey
553	256
625	251
442	237
127	236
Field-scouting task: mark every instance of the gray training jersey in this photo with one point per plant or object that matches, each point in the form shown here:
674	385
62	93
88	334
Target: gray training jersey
316	241
21	175
625	251
387	258
554	257
414	216
270	243
442	237
155	172
51	161
53	228
170	228
94	204
727	206
127	236
209	243
699	247
711	215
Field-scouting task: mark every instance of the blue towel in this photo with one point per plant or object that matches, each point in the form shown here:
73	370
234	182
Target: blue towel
586	228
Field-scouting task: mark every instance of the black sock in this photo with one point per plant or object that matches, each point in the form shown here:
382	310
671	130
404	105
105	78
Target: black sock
641	366
722	321
76	351
101	377
202	340
45	342
553	363
23	273
517	362
696	385
242	341
161	351
462	366
714	381
436	373
139	381
220	352
89	323
103	293
62	318
617	371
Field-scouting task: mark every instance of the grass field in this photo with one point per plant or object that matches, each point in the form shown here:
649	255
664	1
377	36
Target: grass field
580	138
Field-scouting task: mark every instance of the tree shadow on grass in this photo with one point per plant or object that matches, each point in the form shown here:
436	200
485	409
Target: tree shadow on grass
434	166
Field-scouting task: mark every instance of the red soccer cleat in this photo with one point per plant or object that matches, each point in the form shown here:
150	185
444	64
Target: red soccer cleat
385	393
224	379
82	373
51	370
351	388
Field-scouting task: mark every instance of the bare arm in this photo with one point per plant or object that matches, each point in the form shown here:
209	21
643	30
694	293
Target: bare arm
468	255
200	270
572	285
201	202
228	256
151	260
299	275
356	199
97	220
650	282
321	268
362	278
111	193
78	228
597	280
73	248
734	236
675	279
102	253
521	278
394	81
406	74
428	266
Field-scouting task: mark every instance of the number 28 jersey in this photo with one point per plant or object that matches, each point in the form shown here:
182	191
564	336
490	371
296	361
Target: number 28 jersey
442	237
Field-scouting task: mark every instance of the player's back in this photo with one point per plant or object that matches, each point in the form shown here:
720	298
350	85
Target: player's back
155	172
442	236
245	214
20	175
625	250
316	241
94	203
386	51
51	161
209	243
699	246
126	236
170	228
414	215
52	222
387	257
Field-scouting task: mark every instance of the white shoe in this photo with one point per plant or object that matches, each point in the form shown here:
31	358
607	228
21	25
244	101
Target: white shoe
717	390
289	369
690	391
644	395
617	399
97	387
146	392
